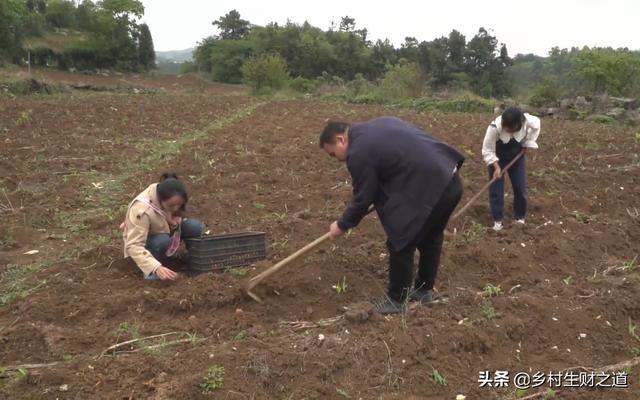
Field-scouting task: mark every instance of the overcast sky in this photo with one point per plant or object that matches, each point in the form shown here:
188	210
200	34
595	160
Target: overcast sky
526	27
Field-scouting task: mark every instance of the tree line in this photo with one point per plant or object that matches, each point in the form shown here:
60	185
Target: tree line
301	54
83	35
346	52
577	71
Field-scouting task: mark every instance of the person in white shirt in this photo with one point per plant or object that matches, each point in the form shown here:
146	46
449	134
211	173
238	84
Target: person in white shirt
506	136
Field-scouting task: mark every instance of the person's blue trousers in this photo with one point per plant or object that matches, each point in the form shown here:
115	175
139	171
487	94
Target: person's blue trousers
157	244
518	176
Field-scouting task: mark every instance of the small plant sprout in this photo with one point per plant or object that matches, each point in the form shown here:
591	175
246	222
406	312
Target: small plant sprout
631	265
551	394
240	336
194	339
491	290
474	232
567	280
437	378
279	216
280	244
582	217
632	330
237	272
213	380
488	311
341	287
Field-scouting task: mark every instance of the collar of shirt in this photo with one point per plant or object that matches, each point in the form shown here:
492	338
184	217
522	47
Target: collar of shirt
505	137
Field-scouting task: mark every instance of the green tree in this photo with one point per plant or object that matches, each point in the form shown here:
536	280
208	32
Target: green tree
38	6
115	35
616	72
13	14
409	50
86	15
232	27
123	9
486	65
61	14
456	44
265	73
382	56
202	55
227	58
347	24
146	52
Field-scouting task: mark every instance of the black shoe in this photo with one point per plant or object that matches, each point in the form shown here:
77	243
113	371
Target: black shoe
422	296
390	306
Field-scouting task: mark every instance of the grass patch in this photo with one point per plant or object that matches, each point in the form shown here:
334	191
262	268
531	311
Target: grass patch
10	377
492	291
71	221
583	218
240	335
7	240
13	282
237	272
631	265
437	378
464	103
213	380
488	312
602	119
341	286
475	232
151	346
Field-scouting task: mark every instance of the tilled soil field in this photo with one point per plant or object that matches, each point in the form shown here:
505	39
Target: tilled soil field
556	295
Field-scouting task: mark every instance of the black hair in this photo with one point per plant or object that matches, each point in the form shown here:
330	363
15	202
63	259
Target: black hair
170	185
513	118
331	130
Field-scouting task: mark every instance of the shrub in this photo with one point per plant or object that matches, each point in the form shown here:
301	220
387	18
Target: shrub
545	93
402	81
265	73
303	85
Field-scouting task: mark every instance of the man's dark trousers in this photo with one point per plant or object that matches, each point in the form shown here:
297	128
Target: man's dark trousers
428	242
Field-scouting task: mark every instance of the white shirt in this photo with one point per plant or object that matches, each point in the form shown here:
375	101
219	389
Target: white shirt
527	136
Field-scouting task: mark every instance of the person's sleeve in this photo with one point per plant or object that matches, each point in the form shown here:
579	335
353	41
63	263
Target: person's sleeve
533	131
136	239
365	188
489	145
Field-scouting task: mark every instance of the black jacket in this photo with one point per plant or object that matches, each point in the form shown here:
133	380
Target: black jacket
402	171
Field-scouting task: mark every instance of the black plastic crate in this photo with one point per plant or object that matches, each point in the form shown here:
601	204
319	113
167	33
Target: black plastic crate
216	252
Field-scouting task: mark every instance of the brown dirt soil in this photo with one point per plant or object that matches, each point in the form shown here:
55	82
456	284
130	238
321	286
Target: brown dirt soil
259	167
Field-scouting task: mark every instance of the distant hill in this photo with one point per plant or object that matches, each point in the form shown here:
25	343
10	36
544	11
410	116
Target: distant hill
177	56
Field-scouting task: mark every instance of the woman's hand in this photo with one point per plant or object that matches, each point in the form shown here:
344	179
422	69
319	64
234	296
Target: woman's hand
165	273
176	220
497	171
